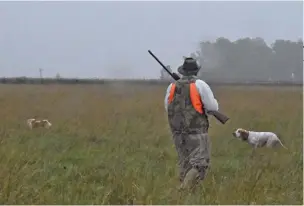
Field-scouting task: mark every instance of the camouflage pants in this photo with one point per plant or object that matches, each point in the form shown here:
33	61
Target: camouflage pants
193	153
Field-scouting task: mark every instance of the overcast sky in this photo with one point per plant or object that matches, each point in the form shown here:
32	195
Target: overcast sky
111	39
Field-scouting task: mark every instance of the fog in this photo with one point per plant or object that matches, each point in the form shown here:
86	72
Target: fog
111	39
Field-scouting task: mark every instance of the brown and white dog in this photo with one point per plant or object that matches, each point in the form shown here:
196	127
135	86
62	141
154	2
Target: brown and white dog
258	139
34	123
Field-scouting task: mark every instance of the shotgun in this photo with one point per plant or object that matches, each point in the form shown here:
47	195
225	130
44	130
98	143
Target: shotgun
219	116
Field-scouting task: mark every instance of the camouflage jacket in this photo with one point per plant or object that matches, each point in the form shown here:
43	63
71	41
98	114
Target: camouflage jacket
182	116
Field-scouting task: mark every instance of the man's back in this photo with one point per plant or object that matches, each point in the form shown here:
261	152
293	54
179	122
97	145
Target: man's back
185	109
206	95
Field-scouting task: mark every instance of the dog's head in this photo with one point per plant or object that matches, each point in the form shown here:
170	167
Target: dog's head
46	123
241	134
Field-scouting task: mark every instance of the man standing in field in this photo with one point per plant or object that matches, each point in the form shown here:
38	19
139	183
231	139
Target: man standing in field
187	102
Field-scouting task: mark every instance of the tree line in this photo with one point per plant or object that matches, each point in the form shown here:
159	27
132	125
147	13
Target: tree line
250	59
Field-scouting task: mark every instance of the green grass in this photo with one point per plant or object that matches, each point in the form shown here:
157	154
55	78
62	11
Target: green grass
111	145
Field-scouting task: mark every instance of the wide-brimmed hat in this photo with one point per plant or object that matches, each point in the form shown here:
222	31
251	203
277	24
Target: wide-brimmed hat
190	67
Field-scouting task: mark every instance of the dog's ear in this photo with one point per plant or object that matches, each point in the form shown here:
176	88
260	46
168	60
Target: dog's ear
244	134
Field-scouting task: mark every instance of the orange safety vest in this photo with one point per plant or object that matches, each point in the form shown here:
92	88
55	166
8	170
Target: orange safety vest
194	96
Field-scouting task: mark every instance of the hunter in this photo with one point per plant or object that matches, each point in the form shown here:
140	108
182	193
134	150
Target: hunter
187	102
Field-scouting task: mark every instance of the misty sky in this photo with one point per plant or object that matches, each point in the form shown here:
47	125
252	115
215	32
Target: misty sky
111	39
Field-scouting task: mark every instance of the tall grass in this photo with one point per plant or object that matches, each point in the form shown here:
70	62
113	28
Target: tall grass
111	145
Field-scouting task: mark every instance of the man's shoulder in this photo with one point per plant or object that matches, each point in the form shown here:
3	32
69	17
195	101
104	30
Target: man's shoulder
169	86
201	83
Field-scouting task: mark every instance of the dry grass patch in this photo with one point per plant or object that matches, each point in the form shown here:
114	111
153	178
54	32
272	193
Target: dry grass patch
111	145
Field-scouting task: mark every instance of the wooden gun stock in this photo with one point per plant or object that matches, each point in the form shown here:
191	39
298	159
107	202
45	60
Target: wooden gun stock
219	116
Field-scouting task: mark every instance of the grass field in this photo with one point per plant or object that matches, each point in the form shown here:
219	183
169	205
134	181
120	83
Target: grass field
111	145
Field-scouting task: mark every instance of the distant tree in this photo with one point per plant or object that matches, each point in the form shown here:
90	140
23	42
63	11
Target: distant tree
58	76
288	58
251	59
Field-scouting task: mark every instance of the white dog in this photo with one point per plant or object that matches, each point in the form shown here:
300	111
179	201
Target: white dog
258	139
34	123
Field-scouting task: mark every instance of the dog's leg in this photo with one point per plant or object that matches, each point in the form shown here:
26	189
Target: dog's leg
253	150
30	126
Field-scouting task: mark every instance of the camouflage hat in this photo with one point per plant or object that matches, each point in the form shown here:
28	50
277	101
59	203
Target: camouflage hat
189	67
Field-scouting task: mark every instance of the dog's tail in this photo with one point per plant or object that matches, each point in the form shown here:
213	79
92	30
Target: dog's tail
279	135
282	144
